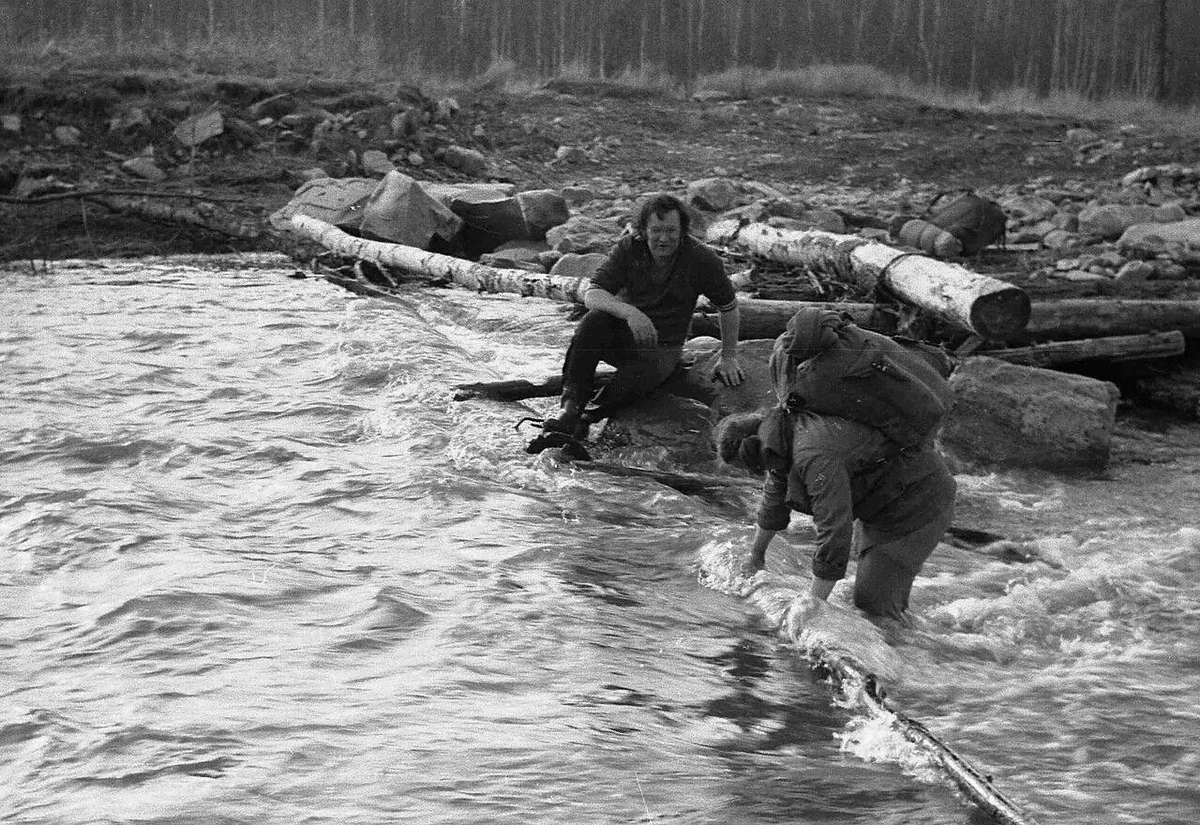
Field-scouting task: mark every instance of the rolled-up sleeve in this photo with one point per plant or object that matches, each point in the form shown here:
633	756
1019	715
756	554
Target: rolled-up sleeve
828	486
773	511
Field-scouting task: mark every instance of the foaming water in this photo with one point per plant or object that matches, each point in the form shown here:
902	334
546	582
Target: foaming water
257	565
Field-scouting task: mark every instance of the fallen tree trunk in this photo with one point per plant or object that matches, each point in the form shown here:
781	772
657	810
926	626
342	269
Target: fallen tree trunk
1113	348
464	273
202	215
1090	318
768	319
992	309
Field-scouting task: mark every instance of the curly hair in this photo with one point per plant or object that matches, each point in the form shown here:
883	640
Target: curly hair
659	204
730	433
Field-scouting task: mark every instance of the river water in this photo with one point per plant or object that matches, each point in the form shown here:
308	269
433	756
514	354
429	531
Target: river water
257	566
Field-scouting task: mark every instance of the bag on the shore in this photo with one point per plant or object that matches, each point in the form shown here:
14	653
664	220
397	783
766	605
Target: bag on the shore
896	385
974	220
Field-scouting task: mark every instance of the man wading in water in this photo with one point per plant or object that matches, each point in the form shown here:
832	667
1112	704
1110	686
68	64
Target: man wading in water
881	470
640	306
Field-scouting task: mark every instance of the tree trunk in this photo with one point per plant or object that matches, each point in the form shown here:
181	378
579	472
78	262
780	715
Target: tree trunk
464	273
1114	348
1090	318
1160	52
768	319
992	309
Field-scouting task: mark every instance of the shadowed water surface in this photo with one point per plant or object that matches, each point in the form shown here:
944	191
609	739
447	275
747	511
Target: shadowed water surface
256	566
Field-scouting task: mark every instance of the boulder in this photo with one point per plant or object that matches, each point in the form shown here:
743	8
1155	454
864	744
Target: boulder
67	135
10	123
468	161
399	210
583	234
712	194
447	192
662	428
338	201
375	162
129	119
543	209
577	195
755	392
1108	221
489	219
1006	415
569	155
144	167
197	129
1027	209
572	265
1155	238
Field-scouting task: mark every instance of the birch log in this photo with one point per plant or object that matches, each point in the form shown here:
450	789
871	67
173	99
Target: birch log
464	273
1088	318
992	309
1112	348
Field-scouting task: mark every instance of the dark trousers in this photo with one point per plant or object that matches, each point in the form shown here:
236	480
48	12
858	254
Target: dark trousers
603	337
888	563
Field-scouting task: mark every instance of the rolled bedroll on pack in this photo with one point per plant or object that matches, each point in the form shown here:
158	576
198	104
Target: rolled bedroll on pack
780	602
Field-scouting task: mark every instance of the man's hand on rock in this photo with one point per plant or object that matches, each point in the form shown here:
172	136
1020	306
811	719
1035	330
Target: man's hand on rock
729	372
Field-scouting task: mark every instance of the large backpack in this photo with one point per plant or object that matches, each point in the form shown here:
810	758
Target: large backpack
896	385
974	220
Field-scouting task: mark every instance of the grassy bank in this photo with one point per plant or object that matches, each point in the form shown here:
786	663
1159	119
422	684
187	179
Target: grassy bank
336	55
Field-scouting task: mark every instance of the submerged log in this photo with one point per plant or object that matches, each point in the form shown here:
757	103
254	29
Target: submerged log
990	308
464	273
1089	318
518	389
1113	348
1010	415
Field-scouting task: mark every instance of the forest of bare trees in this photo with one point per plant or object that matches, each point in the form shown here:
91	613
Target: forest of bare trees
1092	47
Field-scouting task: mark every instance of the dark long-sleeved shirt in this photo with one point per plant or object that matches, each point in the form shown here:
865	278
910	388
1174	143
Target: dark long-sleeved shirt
841	470
696	270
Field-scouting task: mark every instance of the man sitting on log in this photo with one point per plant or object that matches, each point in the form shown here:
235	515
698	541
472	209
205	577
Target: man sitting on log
880	470
640	306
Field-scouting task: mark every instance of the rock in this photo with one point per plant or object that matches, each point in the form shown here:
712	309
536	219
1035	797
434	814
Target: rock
523	252
145	168
1173	172
570	155
338	201
577	195
1027	209
414	158
1018	416
543	209
573	265
468	161
199	128
672	429
312	173
447	192
712	96
549	258
1154	238
375	162
757	391
1060	240
1081	135
1108	221
1170	213
1065	220
763	190
712	194
583	234
10	123
130	119
489	219
67	135
825	219
1134	272
1169	271
399	210
445	109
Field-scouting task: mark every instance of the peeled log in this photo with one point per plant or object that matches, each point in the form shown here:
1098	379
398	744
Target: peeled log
464	273
768	319
1018	416
1113	348
1087	318
992	309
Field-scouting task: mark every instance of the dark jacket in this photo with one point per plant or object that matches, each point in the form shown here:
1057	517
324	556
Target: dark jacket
840	470
629	274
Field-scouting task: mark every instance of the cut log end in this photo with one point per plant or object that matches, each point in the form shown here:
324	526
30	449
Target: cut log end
1002	314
